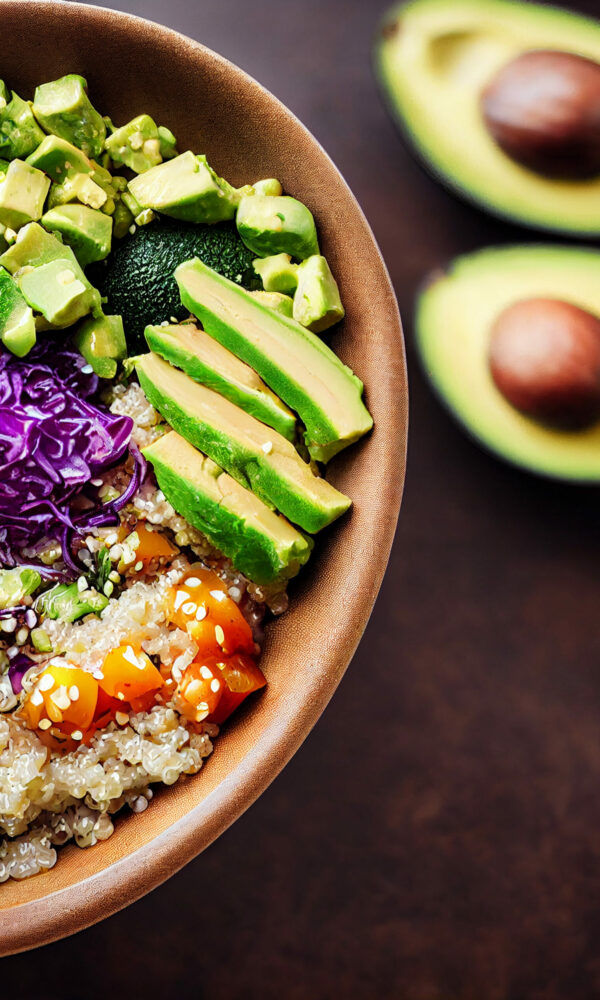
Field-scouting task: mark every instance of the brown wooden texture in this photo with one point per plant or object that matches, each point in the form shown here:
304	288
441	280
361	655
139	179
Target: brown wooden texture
437	836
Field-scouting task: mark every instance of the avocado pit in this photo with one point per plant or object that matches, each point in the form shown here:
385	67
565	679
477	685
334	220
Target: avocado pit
544	357
543	110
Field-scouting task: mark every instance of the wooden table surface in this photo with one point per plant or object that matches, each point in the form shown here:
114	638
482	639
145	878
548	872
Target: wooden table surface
438	836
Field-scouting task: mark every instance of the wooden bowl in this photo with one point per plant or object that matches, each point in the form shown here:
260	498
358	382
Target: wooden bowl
134	66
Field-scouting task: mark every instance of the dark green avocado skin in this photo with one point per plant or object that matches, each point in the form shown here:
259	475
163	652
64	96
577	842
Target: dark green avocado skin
137	278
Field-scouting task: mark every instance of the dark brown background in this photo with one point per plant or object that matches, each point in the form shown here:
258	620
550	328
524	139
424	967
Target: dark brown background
438	836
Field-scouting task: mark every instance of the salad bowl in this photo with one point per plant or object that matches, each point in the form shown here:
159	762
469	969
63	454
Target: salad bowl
246	133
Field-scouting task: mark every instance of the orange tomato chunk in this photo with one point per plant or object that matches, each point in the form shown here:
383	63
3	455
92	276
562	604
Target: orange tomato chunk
152	544
62	696
241	675
201	605
129	674
200	689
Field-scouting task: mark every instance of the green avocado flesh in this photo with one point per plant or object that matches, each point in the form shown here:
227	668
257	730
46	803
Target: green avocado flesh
254	454
208	362
455	314
434	58
261	544
86	230
17	325
294	362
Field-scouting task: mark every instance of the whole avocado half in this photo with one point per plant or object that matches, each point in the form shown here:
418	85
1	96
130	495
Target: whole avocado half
137	279
433	59
455	312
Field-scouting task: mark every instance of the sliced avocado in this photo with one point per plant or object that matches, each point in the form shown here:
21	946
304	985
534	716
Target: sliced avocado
293	361
277	273
261	544
59	159
63	108
136	145
276	224
434	59
186	188
269	185
455	315
23	190
275	300
254	454
17	325
168	143
206	361
317	302
101	341
84	229
19	131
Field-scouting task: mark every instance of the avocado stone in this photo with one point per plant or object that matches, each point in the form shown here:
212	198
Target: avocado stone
293	361
434	58
208	362
260	543
454	319
137	279
254	454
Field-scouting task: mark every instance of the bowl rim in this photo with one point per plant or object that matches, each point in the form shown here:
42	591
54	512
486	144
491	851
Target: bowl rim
33	923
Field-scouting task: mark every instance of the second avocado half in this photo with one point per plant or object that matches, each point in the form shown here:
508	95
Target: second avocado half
455	314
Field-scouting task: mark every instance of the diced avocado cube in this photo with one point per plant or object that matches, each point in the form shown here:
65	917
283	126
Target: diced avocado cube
277	273
23	191
185	188
19	131
80	187
59	159
168	143
132	204
57	291
260	543
206	361
17	325
63	108
275	300
317	302
269	186
272	225
254	454
293	361
34	246
84	229
101	341
136	145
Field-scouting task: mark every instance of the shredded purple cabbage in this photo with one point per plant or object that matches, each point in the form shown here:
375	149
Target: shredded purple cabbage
53	440
18	667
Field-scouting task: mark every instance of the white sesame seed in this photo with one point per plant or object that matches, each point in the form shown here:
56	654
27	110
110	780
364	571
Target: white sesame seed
45	724
218	595
60	698
219	635
267	447
74	692
215	685
122	718
97	675
47	682
138	566
193	581
189	608
206	672
77	734
37	698
130	656
201	613
180	597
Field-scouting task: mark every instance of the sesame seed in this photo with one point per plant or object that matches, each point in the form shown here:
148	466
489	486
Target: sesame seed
219	635
180	597
45	724
193	581
60	698
81	584
122	718
206	672
267	447
37	698
218	595
74	692
215	685
77	734
201	613
47	682
138	566
120	696
96	482
130	656
97	675
189	608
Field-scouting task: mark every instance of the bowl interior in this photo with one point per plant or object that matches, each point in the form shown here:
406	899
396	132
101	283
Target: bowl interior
133	66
